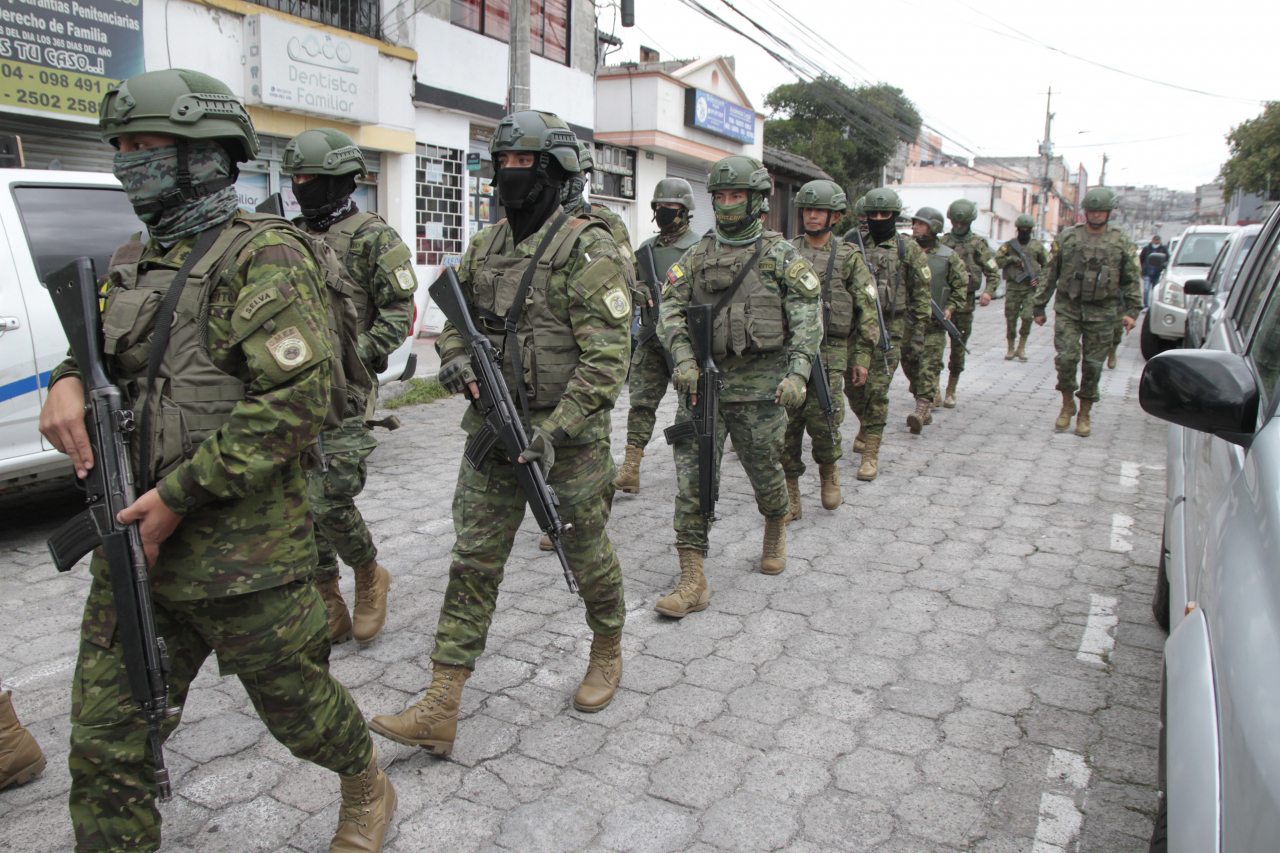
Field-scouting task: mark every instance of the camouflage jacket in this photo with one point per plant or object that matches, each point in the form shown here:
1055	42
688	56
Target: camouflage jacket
1007	259
754	376
976	254
1107	265
851	274
242	492
600	328
912	302
957	282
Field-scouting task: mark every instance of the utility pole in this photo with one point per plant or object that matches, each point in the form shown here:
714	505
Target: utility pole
518	63
1102	176
1046	150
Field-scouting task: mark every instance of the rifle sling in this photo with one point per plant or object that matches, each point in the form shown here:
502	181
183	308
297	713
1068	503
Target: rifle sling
160	343
826	293
510	345
737	281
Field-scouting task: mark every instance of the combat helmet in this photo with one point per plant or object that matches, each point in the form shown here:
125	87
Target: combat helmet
322	151
179	103
822	195
860	207
881	199
673	191
535	132
739	172
1024	221
586	160
1101	198
932	217
962	211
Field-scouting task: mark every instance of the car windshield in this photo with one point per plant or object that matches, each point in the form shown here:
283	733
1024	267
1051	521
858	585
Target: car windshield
1199	250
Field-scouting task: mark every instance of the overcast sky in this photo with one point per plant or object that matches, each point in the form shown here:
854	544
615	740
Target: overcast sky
983	85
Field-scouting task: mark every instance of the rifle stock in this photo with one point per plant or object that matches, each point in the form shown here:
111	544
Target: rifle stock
273	204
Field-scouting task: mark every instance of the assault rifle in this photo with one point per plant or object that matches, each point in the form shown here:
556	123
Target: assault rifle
854	236
1028	273
273	204
649	316
820	387
501	418
109	487
705	424
947	325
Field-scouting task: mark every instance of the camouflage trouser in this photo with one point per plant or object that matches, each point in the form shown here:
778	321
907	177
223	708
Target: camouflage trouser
757	429
340	529
1018	302
488	506
870	402
1082	334
826	446
275	641
963	321
922	362
1119	332
647	384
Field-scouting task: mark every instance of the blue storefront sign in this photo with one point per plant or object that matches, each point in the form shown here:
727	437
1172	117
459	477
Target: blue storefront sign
705	111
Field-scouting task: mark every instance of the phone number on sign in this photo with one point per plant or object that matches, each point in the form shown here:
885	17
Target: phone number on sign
39	88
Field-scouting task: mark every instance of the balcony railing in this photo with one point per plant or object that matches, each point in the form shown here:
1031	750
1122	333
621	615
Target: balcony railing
354	16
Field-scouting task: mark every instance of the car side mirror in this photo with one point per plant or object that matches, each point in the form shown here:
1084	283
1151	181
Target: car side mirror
1196	287
1205	390
1157	260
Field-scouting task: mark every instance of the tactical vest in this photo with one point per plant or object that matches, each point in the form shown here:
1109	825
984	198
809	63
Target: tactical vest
191	397
339	238
753	321
1014	272
665	256
939	266
837	302
888	261
1090	268
967	249
549	351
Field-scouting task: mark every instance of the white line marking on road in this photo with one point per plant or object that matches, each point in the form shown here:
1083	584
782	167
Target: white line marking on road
1060	822
1097	640
1121	529
437	525
1068	769
43	672
1129	475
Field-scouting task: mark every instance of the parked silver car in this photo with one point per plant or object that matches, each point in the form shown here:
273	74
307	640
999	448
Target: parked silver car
1218	587
1204	308
1165	322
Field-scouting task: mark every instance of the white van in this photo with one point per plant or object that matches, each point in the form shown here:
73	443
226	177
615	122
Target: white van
47	219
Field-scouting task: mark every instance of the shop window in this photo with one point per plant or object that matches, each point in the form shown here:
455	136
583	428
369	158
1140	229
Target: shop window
548	24
354	16
439	201
615	172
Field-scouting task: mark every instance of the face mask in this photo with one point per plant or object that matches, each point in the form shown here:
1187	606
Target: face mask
518	186
881	229
927	240
960	229
666	217
152	173
1024	235
571	194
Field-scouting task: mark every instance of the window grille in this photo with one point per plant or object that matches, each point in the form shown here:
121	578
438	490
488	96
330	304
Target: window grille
440	200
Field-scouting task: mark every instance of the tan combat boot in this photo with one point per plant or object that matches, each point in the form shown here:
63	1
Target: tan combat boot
603	674
368	806
1082	419
937	395
373	582
1068	409
628	479
830	477
773	556
860	440
339	616
870	459
950	400
20	757
1111	359
433	722
1009	355
793	494
691	593
921	416
1021	353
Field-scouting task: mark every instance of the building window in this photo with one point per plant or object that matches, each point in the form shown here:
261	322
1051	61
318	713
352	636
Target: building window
548	24
440	201
354	16
615	172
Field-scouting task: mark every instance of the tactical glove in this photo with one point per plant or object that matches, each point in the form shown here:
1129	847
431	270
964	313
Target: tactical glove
542	445
791	392
455	375
685	377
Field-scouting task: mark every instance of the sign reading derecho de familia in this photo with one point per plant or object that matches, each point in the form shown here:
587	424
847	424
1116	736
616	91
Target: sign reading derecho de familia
61	56
714	114
306	70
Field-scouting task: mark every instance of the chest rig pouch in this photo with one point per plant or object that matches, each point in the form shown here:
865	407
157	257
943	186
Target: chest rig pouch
837	302
751	318
887	263
1092	272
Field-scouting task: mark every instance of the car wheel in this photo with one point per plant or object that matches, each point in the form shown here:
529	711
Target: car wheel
1151	343
1160	597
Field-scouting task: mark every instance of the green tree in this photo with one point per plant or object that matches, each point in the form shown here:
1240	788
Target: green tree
849	133
1254	164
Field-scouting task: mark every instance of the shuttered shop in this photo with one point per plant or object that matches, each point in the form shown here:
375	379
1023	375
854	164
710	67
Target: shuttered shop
704	218
75	147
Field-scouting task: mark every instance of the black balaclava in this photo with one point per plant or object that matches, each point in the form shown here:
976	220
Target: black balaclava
530	194
927	241
960	229
1024	236
670	219
814	232
881	229
326	200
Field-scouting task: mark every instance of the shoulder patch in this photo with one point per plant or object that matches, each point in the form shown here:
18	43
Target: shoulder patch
288	348
405	281
617	303
675	273
251	307
991	264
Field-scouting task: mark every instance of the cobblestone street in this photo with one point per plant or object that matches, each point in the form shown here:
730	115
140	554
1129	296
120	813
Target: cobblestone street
961	657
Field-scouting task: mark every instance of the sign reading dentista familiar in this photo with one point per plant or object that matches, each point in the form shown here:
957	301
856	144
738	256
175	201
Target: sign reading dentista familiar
60	56
705	111
305	70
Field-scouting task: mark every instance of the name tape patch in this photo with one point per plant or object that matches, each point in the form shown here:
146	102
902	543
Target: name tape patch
256	302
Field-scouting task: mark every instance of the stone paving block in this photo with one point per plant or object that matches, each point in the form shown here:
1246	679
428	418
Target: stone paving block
648	825
941	816
745	823
838	821
901	733
784	776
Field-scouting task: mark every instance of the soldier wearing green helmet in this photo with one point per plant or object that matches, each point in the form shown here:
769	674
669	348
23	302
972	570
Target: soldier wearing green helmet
650	376
767	334
1094	269
981	263
949	279
552	293
323	165
902	276
849	327
1021	258
222	515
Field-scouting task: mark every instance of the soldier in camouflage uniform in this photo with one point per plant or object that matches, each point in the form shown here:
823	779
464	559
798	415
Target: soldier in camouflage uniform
903	279
976	254
1095	271
767	365
1014	257
922	354
650	376
849	315
225	528
323	164
575	332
